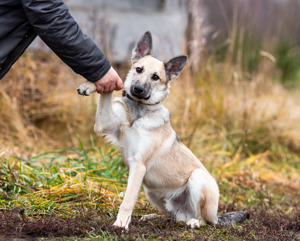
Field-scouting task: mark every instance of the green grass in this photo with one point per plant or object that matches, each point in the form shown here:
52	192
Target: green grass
288	60
66	177
82	186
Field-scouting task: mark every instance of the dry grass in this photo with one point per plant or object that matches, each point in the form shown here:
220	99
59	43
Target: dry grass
247	131
224	119
244	128
39	105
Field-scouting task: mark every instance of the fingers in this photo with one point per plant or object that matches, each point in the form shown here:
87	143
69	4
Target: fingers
99	89
109	82
109	87
106	87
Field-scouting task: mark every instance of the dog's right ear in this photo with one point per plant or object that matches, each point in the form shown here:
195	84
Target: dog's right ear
143	47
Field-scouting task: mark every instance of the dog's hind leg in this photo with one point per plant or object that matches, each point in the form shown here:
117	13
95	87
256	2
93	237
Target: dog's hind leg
209	198
152	216
203	198
157	203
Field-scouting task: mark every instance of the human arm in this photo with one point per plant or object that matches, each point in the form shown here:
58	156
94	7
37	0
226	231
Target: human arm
52	21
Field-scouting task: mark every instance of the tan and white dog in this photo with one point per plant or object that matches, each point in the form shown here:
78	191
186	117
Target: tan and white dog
174	180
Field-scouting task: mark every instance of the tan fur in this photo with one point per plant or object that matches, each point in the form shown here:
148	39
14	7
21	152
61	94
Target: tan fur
153	66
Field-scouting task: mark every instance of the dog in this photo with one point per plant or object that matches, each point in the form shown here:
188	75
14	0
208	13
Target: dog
174	180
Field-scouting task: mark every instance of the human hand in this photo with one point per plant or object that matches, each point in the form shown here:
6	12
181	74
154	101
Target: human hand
109	82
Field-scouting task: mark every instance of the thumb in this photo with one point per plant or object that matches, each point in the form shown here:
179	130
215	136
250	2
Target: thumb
119	84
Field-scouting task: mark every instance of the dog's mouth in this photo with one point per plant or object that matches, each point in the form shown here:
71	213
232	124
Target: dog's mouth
140	97
137	98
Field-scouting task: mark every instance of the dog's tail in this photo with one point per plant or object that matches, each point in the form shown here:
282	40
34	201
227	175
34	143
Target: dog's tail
233	217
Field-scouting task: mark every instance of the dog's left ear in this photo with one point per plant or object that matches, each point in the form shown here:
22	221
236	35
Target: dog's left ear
143	47
174	66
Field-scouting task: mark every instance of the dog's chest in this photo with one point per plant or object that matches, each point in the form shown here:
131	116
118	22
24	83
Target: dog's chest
143	128
135	142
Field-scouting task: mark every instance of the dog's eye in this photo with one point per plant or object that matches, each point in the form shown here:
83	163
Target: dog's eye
155	77
139	70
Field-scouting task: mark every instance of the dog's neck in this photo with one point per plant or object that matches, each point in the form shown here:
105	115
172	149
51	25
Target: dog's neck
136	110
124	94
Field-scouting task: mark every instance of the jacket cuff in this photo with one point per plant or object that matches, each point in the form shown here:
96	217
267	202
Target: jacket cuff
103	69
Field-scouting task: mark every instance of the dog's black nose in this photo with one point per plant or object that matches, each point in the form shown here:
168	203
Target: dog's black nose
138	90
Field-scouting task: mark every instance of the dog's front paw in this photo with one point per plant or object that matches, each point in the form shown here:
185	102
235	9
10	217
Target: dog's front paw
119	224
86	88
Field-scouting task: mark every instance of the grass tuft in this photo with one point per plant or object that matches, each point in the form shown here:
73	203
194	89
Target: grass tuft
56	181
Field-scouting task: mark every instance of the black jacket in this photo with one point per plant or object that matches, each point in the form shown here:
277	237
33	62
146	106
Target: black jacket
22	20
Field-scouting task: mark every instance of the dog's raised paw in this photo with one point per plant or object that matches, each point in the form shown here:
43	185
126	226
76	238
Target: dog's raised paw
86	88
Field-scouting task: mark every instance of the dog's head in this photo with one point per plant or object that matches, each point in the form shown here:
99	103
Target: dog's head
148	81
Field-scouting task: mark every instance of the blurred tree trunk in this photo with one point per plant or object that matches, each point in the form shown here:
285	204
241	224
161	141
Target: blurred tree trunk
195	38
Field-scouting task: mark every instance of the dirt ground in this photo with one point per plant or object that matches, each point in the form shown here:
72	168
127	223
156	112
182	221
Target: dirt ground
263	224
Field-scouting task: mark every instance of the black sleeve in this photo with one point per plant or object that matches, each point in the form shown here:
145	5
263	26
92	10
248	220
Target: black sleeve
54	24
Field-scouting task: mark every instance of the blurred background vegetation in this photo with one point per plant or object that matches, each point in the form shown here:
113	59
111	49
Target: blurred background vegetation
236	105
237	49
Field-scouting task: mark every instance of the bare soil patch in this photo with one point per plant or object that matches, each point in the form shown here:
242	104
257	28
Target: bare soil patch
264	224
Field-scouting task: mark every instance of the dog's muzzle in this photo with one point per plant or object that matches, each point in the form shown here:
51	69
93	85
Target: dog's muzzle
139	92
